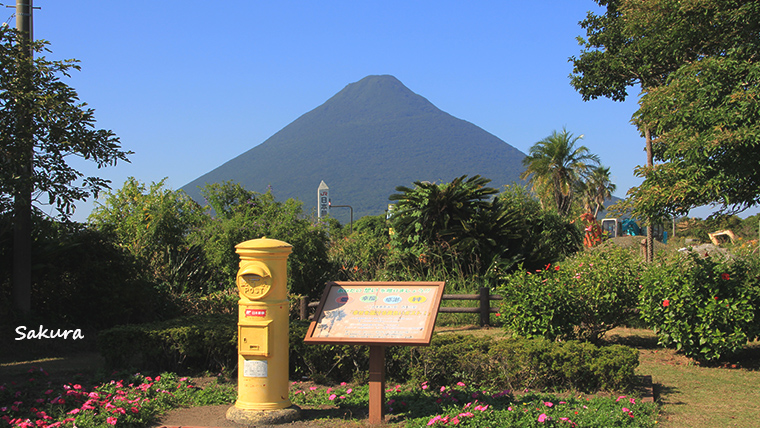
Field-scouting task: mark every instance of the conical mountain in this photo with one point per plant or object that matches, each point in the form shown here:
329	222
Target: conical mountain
370	137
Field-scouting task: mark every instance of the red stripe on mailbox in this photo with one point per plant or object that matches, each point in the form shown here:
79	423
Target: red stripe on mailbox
255	312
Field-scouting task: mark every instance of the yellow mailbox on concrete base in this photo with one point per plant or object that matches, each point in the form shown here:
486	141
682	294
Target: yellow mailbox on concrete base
263	324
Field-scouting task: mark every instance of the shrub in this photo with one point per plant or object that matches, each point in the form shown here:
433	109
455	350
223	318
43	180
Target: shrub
581	298
361	255
707	308
81	278
517	363
199	343
151	223
241	215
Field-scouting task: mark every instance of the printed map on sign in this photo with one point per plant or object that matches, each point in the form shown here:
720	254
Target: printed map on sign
377	312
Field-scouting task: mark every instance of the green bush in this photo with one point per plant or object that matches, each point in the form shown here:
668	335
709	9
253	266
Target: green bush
707	308
581	298
240	215
517	363
81	278
197	343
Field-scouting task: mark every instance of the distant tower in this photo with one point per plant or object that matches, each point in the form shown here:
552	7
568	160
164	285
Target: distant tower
323	200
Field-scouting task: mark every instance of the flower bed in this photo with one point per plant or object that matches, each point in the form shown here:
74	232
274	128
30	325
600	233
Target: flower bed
422	405
131	401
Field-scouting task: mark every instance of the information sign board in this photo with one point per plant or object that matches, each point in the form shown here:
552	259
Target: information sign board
376	313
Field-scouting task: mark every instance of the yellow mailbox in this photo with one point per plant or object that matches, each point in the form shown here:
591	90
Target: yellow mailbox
263	312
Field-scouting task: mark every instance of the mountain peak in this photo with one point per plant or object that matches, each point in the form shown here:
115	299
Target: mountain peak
373	135
374	98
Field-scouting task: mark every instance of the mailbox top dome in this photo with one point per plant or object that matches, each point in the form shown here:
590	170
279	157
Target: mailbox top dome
265	244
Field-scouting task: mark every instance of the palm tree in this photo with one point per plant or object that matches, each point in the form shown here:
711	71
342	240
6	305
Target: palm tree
597	189
554	166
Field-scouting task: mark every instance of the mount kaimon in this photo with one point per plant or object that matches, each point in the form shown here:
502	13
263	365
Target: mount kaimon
370	137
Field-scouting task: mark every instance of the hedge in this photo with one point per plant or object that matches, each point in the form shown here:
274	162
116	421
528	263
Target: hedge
208	342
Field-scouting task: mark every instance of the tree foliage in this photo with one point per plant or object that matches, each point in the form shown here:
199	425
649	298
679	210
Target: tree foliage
597	188
57	127
192	248
461	226
555	167
451	222
152	223
695	62
237	215
706	126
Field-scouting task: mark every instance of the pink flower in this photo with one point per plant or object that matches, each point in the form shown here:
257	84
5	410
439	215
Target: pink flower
332	397
111	421
443	388
74	411
626	410
548	404
543	418
460	384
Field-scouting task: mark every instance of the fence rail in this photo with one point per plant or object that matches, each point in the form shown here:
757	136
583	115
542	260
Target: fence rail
483	298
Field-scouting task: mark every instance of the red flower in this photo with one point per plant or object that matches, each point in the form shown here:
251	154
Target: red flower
556	267
725	276
666	303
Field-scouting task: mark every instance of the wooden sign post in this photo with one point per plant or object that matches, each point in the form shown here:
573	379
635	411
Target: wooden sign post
377	314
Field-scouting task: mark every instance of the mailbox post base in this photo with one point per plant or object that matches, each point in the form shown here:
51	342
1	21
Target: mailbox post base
263	417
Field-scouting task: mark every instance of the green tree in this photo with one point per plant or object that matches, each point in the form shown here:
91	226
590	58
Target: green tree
556	166
597	188
543	235
643	42
43	124
152	223
454	223
237	215
706	126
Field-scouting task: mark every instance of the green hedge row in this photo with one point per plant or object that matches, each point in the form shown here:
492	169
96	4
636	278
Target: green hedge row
196	343
518	363
209	343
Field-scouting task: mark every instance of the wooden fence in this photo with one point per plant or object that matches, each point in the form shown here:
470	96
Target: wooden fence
483	298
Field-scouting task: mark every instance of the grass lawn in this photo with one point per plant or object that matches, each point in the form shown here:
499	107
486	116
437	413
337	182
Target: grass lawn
693	396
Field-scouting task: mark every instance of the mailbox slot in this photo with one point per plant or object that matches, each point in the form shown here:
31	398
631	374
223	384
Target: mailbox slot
253	338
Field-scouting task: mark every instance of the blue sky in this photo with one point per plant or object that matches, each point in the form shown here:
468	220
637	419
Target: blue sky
188	85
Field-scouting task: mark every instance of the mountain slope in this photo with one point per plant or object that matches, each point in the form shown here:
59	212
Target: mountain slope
367	139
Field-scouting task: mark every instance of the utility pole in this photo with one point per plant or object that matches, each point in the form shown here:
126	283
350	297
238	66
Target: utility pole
22	199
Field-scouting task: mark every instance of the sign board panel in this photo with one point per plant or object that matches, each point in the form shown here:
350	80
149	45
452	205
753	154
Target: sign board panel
373	313
323	200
